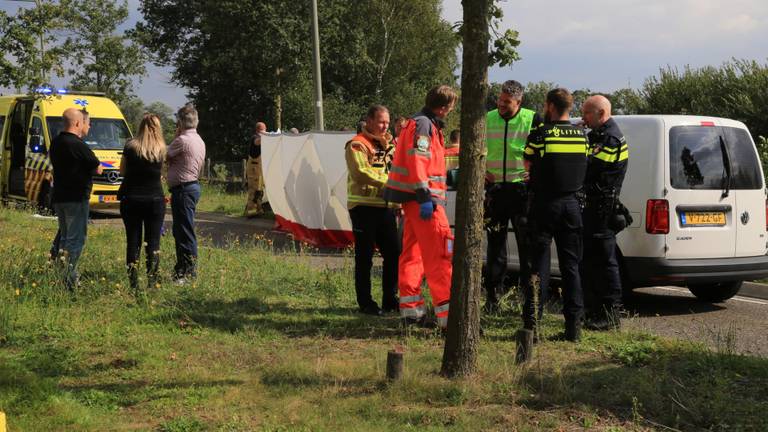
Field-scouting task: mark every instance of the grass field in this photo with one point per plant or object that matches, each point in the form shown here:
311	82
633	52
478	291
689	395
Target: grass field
267	343
215	198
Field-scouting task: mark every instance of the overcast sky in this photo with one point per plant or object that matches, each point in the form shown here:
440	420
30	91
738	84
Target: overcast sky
597	44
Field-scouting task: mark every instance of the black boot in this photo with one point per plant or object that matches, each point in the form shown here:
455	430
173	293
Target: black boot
573	330
133	278
609	319
153	270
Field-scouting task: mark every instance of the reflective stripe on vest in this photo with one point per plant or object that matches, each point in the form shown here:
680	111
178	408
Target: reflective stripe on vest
517	130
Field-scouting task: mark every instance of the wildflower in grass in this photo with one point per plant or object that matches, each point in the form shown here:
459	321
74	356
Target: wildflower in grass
18	292
34	285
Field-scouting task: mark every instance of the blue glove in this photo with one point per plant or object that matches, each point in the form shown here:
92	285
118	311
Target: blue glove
426	209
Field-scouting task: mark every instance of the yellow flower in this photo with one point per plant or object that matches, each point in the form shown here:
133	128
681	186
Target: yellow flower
18	292
34	285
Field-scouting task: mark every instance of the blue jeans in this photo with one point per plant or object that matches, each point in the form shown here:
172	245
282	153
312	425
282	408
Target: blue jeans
184	198
73	229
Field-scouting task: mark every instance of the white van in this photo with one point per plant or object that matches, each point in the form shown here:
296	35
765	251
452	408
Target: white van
695	190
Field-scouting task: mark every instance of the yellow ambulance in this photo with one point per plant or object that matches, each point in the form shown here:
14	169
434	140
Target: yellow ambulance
28	124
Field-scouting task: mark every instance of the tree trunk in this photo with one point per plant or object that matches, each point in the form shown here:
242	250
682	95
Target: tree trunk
460	355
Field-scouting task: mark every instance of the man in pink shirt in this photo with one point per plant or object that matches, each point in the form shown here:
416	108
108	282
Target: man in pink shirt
186	156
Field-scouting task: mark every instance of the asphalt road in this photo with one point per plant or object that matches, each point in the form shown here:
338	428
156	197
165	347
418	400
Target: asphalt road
738	325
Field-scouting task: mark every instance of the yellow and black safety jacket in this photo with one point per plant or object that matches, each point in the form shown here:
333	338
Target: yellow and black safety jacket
608	160
366	156
558	155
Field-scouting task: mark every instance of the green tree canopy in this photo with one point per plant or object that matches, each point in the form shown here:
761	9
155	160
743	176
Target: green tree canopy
100	57
245	61
74	39
738	90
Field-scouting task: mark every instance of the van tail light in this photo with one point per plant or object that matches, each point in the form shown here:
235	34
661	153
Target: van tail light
657	217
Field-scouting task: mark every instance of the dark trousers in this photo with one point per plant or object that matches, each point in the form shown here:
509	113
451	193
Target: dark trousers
375	227
184	198
507	204
601	279
558	218
143	215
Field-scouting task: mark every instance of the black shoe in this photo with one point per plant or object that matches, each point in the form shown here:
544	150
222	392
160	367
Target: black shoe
390	310
610	319
423	322
573	331
371	310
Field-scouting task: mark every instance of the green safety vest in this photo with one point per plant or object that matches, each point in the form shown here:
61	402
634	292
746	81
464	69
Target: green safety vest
505	141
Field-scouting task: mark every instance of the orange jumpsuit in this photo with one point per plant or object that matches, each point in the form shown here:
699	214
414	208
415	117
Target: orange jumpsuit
417	176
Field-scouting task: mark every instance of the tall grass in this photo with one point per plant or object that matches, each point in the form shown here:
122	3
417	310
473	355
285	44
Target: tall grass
269	342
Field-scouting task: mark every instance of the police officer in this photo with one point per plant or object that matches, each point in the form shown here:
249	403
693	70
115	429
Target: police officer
254	174
507	129
373	220
417	180
556	157
605	174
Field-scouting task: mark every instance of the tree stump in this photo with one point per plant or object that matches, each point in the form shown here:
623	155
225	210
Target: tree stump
524	338
395	364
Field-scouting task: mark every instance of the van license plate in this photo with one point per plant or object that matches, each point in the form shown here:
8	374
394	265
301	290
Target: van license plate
702	218
107	198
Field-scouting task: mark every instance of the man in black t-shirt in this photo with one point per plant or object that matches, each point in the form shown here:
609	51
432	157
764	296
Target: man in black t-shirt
254	174
74	163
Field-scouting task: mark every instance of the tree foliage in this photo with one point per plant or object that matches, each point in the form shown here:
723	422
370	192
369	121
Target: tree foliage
255	55
25	63
80	41
134	109
100	57
738	90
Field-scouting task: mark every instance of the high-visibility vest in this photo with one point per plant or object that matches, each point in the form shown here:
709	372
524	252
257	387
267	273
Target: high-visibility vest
505	141
366	161
451	157
417	167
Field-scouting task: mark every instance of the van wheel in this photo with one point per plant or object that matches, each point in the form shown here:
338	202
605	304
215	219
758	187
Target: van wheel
716	292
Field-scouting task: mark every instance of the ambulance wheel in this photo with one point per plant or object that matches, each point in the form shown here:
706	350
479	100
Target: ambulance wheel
716	292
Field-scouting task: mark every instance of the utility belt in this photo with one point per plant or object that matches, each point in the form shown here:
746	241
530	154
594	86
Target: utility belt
506	194
606	206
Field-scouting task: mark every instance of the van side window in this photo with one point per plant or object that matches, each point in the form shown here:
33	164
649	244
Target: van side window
745	165
696	158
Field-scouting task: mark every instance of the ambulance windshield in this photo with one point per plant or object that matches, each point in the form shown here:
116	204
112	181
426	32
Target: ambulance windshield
105	134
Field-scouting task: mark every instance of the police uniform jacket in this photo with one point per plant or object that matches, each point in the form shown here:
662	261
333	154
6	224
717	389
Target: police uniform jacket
609	156
558	155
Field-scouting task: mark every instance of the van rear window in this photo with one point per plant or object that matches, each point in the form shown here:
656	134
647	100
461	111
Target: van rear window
709	157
